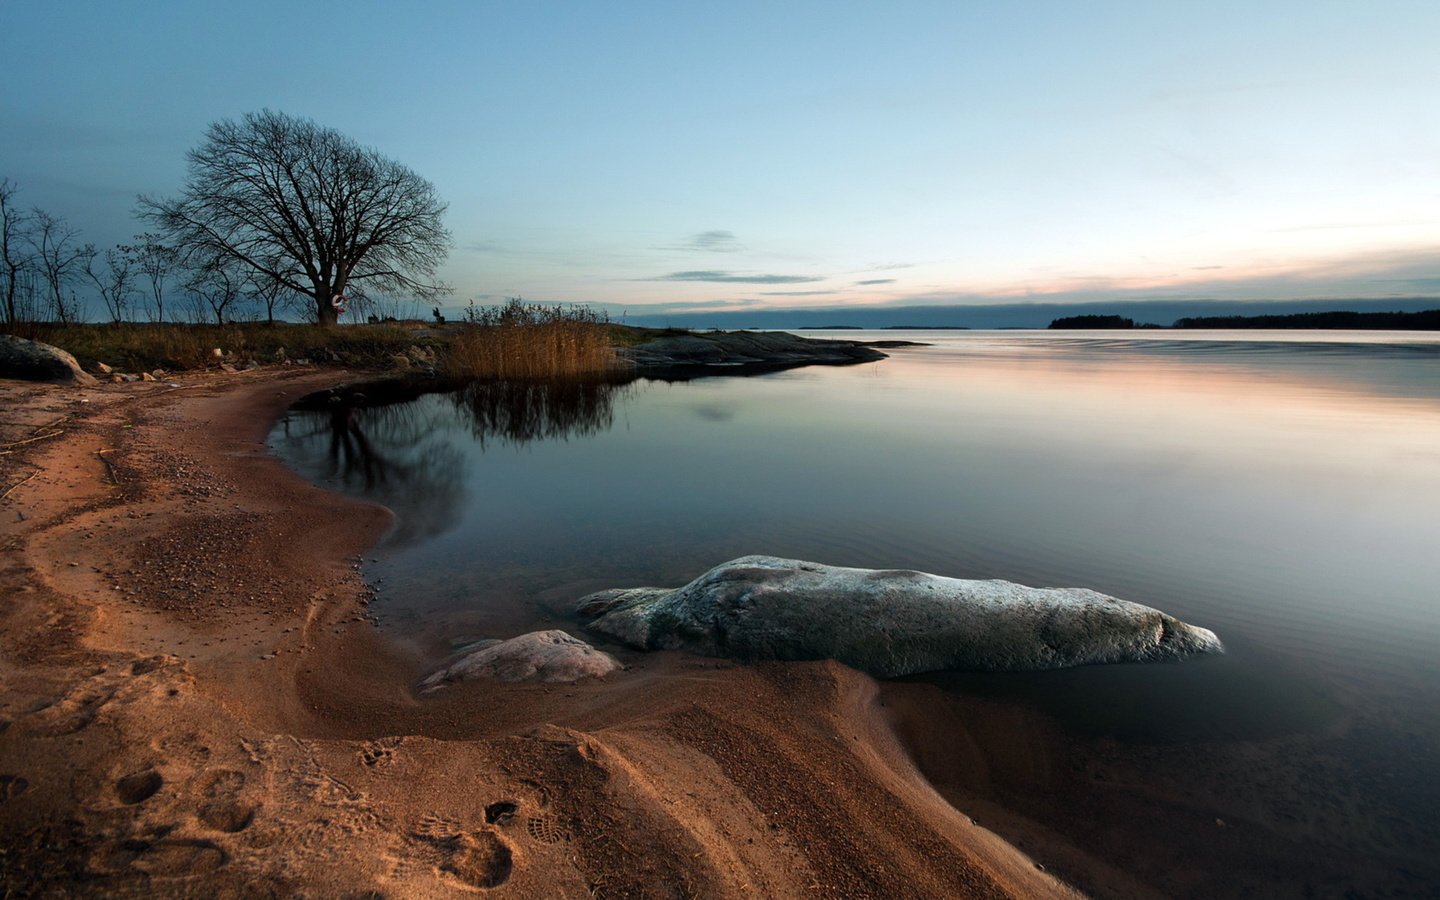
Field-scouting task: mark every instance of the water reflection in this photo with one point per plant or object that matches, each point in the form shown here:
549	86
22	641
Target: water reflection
380	449
402	444
520	412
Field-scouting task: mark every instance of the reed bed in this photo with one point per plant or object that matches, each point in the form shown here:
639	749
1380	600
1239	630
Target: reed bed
528	341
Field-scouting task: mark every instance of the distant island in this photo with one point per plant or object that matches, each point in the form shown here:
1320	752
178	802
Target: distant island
1428	320
1092	322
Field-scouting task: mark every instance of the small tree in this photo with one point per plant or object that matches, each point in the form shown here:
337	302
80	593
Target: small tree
308	208
270	294
60	259
216	283
14	260
155	260
115	281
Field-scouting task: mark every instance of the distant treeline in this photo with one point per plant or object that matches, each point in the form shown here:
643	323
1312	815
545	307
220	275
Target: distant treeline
1429	320
1093	322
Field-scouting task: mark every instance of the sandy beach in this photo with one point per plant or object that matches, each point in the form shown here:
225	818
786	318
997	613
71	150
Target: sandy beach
195	704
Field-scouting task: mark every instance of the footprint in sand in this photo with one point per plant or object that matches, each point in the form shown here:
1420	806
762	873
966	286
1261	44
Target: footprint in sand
137	787
379	754
165	858
218	793
437	829
12	786
476	858
501	813
480	859
72	713
546	829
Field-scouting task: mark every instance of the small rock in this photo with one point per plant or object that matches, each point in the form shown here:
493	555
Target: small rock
551	656
103	369
228	369
218	353
146	376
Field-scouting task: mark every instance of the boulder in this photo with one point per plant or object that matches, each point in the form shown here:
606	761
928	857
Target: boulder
35	361
888	622
538	656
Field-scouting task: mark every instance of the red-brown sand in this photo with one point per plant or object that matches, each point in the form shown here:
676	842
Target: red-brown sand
192	703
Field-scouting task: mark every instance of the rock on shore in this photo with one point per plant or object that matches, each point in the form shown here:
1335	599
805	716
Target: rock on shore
888	622
537	656
37	361
745	350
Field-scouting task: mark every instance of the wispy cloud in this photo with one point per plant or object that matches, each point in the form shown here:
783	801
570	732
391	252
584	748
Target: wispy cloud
796	293
877	281
720	277
716	241
642	308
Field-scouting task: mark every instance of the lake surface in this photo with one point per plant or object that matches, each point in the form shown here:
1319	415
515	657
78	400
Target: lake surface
1280	488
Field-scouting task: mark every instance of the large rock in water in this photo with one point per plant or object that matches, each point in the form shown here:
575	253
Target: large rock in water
888	622
35	361
536	656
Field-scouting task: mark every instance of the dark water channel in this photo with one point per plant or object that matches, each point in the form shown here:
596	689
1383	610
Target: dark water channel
1281	489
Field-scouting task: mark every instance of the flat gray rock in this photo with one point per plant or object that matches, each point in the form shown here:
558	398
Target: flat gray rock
537	656
888	622
36	361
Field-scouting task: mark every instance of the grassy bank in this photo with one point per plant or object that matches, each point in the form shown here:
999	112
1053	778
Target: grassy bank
516	341
136	347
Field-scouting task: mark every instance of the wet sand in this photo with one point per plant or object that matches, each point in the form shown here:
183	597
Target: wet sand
193	703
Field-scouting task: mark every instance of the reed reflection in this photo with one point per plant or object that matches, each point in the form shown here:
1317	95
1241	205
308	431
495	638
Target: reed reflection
396	443
520	412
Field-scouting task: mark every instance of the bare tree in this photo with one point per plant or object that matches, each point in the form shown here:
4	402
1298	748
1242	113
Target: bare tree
60	258
155	260
115	281
217	283
271	295
308	208
13	223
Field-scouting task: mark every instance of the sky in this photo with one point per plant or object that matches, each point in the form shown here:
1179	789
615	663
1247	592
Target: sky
660	159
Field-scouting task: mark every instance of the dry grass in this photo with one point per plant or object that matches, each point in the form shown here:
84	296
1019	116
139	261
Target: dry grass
138	347
529	341
515	341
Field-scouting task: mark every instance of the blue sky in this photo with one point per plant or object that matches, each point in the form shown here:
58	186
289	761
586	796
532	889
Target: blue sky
662	157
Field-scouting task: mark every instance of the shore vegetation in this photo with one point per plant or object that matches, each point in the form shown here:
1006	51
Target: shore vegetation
520	340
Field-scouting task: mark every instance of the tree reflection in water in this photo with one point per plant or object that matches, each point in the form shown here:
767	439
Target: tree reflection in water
393	443
390	453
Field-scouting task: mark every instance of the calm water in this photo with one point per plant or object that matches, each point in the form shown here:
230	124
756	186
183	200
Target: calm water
1279	488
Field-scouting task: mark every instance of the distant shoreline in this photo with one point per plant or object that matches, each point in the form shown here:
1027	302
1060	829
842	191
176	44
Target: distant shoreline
1342	320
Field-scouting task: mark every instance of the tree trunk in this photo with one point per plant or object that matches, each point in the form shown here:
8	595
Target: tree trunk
325	314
